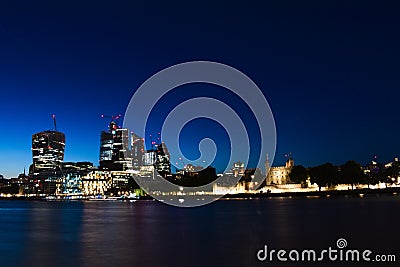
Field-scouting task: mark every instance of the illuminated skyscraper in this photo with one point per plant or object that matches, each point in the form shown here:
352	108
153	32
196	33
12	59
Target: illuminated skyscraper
149	157
162	163
114	149
137	149
121	153
106	145
47	153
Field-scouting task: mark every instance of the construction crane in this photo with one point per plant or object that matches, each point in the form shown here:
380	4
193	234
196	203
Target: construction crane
114	118
54	121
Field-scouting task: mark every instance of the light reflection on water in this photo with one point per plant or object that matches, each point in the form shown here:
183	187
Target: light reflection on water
228	232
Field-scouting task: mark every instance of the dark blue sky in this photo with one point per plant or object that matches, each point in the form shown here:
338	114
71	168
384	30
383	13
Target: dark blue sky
329	69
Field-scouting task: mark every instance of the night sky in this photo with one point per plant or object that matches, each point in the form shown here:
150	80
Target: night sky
329	69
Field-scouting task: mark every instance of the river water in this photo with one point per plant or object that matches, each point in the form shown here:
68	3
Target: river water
224	233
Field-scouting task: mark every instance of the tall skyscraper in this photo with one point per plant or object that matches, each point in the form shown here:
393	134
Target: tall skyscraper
137	150
106	145
47	153
149	157
121	152
114	149
162	163
159	158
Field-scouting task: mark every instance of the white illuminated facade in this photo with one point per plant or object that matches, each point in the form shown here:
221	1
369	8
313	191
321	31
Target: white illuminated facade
96	183
238	169
279	175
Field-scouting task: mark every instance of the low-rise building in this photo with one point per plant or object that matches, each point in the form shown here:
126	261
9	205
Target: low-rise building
279	175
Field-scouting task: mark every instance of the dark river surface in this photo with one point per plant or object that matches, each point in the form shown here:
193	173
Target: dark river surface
224	233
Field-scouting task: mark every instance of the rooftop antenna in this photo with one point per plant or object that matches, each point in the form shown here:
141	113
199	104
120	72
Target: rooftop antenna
159	138
54	121
153	143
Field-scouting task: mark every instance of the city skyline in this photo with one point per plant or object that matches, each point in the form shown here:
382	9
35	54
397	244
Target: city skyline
113	125
332	85
199	133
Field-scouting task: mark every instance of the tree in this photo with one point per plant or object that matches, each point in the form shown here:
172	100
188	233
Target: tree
324	175
352	173
298	175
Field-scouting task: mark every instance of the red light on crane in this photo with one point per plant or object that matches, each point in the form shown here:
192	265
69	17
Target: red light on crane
114	118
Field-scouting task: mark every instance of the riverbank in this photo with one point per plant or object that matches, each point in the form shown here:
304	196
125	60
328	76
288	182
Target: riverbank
326	193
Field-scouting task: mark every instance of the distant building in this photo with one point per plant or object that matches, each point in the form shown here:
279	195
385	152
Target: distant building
121	182
137	150
373	169
121	152
158	157
195	175
115	183
192	168
147	171
81	167
72	176
393	170
189	170
279	175
238	169
106	146
47	156
392	163
47	153
149	157
114	149
96	183
162	163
